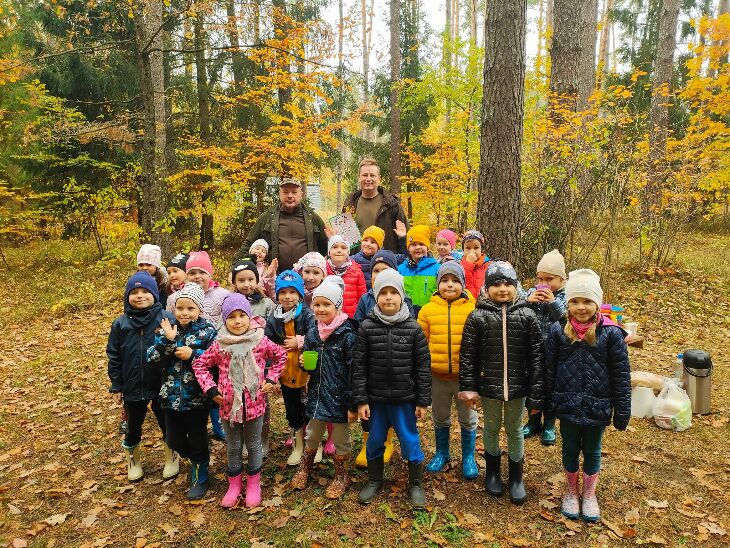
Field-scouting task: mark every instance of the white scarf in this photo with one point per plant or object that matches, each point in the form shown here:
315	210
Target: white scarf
402	315
243	370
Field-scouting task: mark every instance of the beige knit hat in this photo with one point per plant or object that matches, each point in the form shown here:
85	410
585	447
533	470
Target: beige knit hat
584	283
552	263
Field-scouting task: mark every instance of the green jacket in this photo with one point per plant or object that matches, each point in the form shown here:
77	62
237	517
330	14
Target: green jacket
267	227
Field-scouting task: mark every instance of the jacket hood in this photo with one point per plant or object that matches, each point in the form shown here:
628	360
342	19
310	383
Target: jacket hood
465	297
423	264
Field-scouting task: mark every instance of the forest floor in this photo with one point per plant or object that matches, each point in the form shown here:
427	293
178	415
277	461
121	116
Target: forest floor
63	479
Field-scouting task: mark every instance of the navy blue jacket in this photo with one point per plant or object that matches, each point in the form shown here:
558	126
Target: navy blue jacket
587	384
303	324
180	390
127	352
328	390
367	302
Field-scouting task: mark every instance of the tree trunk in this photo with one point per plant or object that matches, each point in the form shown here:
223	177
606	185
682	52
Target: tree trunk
201	74
549	9
280	31
367	31
659	110
340	99
446	45
237	59
603	68
498	206
723	8
587	77
472	23
395	131
150	64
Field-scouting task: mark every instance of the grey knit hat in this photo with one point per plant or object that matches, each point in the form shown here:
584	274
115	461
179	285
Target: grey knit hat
389	278
332	288
451	267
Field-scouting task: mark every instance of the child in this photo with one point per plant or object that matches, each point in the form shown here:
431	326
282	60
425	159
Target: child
371	242
446	246
381	260
391	384
588	380
181	398
312	267
501	360
130	335
176	274
333	339
149	259
199	270
287	326
548	302
240	353
245	280
419	271
267	272
340	264
474	261
443	322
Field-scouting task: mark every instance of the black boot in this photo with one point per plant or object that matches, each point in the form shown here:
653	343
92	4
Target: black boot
415	485
517	493
375	481
492	476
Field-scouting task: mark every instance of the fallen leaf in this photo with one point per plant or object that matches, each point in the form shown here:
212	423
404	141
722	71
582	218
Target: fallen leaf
632	517
169	530
702	534
690	513
713	528
20	543
544	514
198	520
556	479
519	541
347	532
572	525
140	543
281	522
14	510
639	458
484	537
274	501
56	519
550	505
470	519
657	504
91	517
618	531
655	539
176	509
438	495
295	513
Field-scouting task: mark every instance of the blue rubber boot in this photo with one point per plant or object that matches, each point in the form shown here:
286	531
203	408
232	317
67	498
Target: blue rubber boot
469	468
198	480
441	457
548	435
533	426
215	422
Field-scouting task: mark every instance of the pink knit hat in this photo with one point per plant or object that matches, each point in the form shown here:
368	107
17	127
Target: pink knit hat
201	260
449	235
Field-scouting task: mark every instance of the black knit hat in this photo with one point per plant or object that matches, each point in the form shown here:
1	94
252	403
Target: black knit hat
244	264
500	271
178	261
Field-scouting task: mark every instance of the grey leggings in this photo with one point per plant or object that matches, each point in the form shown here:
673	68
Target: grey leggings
236	434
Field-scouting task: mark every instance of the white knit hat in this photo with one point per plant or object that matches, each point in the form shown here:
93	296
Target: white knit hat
193	292
389	278
552	263
261	243
332	288
584	283
337	239
150	254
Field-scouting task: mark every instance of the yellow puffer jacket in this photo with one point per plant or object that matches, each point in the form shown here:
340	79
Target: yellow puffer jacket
443	324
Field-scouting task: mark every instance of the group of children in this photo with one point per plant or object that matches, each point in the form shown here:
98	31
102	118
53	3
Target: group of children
386	335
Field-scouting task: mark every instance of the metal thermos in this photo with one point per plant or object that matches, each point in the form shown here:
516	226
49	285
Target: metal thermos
697	379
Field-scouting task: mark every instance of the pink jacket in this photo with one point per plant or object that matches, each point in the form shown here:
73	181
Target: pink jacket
214	356
212	303
266	282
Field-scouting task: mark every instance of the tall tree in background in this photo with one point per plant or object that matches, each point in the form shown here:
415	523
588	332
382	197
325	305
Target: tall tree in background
659	110
498	205
201	76
606	25
395	66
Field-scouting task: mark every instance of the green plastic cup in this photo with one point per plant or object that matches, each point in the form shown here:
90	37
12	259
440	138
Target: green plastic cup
310	360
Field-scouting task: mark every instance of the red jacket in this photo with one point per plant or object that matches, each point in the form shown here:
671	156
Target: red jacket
475	274
354	287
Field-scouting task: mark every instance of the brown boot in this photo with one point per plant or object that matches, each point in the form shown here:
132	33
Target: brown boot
300	479
339	483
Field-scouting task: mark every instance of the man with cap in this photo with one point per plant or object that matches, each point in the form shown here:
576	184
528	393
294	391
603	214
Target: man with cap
290	227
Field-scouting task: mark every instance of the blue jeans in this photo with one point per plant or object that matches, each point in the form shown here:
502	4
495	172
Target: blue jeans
402	417
577	438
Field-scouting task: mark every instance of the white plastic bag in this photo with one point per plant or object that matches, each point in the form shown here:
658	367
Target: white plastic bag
672	409
642	402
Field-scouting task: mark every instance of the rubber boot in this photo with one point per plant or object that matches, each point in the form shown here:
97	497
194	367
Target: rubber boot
318	455
570	506
548	435
415	485
388	446
198	480
341	481
172	463
361	461
300	479
376	467
493	475
123	424
533	426
134	462
253	490
590	511
517	492
329	445
215	422
469	468
265	431
441	457
235	485
297	450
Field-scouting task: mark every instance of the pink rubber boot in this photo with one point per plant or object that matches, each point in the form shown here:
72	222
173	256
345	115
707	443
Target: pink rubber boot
570	507
329	446
253	490
234	491
590	510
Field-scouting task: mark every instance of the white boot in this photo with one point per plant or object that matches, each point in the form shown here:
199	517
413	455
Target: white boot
134	463
172	463
297	449
318	456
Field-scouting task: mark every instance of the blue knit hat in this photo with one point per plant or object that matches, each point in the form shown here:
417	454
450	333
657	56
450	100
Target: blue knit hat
144	280
289	278
384	256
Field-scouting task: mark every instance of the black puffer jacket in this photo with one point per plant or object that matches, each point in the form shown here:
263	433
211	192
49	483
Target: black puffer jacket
483	351
585	383
391	364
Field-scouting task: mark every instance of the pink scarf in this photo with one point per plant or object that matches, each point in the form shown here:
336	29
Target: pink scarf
581	328
326	329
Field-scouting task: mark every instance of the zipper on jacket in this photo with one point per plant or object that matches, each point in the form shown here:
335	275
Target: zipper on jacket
390	368
505	386
448	327
142	357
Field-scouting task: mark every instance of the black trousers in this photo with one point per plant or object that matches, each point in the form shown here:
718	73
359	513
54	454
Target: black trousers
136	412
187	433
294	406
